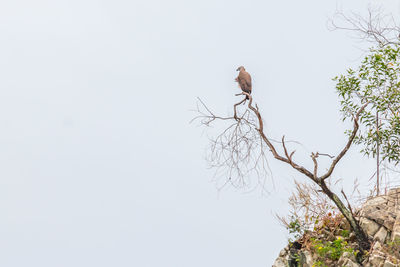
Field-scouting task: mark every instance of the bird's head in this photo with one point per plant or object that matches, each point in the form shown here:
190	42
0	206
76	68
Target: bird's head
240	68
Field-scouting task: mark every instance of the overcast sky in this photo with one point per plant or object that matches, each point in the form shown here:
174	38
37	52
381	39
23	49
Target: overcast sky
99	165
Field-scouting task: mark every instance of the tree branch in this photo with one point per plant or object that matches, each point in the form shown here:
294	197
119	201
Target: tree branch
276	155
233	149
349	142
314	159
376	27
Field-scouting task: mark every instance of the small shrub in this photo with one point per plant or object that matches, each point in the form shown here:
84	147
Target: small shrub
394	247
345	233
295	228
332	250
319	264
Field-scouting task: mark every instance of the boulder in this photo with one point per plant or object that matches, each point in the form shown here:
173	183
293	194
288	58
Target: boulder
376	260
388	263
280	262
348	260
381	235
370	227
375	202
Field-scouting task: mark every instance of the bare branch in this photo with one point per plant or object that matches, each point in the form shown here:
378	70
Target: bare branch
289	157
314	159
325	154
348	203
349	142
239	150
234	108
276	155
376	27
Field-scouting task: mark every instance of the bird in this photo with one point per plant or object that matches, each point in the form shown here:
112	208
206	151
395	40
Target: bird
244	80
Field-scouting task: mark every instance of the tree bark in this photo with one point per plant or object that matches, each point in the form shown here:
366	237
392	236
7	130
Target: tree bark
362	238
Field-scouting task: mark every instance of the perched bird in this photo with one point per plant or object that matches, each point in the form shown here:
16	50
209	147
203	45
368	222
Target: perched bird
244	80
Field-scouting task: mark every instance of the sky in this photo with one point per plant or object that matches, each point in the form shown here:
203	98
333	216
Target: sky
99	165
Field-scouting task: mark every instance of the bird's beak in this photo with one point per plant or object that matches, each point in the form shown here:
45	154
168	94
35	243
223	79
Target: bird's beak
237	69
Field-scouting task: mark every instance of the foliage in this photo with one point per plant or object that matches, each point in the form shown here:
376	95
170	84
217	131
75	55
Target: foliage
376	82
308	208
345	233
328	239
331	249
394	247
295	228
319	264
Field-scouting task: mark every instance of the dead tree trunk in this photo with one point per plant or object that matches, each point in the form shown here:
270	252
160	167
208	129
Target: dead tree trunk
362	238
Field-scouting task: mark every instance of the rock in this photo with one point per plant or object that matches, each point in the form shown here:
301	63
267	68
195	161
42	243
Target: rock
381	235
308	259
378	216
377	257
349	256
376	201
347	259
389	264
393	198
284	251
346	256
370	227
352	237
341	261
394	191
380	219
391	203
350	263
395	235
396	226
376	260
280	262
377	247
376	209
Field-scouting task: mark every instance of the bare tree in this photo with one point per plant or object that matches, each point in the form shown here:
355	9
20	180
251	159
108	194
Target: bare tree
377	27
241	147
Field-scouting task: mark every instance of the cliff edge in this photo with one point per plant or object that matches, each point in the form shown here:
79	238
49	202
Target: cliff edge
331	243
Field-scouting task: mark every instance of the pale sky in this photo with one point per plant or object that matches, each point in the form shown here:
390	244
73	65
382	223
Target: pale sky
99	165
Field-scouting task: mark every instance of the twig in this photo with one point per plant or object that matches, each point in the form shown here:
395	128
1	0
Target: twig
348	203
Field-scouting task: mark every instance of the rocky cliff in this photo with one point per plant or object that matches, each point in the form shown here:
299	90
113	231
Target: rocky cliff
332	243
